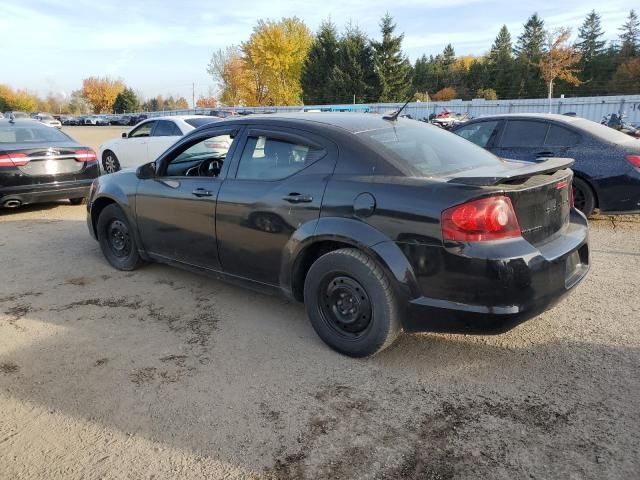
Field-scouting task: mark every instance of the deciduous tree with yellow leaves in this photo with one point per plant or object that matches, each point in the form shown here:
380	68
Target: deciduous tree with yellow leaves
560	60
101	92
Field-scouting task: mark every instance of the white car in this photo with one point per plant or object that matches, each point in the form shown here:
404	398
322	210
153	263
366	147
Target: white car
48	120
148	139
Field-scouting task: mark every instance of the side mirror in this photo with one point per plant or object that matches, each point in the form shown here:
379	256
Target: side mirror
146	171
124	135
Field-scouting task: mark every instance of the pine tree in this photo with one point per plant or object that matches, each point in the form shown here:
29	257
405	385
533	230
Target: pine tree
317	85
392	65
448	55
630	36
500	63
590	45
594	63
528	51
355	72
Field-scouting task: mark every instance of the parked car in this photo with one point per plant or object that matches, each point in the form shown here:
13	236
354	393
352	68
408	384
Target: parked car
40	164
15	115
607	162
90	120
148	139
376	224
101	121
69	120
48	119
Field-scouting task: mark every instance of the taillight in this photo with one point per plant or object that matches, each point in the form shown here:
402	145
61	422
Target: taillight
85	156
491	218
13	159
634	160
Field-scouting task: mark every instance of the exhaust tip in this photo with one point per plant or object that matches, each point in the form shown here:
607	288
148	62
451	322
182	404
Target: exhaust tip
13	203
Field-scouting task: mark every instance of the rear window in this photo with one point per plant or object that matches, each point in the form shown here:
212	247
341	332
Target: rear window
603	132
31	134
198	122
416	149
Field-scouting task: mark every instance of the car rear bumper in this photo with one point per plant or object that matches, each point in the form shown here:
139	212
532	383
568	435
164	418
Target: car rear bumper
479	292
45	193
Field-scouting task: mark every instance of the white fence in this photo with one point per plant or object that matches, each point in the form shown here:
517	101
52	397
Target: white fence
593	108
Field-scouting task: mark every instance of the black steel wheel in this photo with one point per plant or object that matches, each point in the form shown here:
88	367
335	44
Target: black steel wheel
583	196
116	238
351	303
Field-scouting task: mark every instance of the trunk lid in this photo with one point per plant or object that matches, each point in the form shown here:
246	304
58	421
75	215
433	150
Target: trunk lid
539	192
51	162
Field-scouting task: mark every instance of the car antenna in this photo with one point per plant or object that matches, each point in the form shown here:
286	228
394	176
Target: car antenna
393	116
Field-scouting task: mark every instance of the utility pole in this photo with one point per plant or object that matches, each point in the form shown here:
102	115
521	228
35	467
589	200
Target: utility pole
193	95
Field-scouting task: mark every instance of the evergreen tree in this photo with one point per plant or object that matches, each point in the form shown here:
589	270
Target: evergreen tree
355	72
500	64
595	65
448	55
528	51
393	68
126	101
630	36
317	84
589	34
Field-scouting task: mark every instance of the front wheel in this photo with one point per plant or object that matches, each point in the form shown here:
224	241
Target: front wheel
116	238
351	303
110	162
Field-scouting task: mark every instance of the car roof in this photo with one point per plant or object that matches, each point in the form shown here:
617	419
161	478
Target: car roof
350	121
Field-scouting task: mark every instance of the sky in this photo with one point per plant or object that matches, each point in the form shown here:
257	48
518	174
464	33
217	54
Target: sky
163	46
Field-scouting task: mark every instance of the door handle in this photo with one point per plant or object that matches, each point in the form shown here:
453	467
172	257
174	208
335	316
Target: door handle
201	192
545	154
297	198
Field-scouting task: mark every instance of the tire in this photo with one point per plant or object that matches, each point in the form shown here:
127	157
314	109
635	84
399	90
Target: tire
110	162
351	303
77	201
583	197
116	239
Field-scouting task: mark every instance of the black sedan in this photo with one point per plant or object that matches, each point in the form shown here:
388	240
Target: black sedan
607	162
377	224
39	163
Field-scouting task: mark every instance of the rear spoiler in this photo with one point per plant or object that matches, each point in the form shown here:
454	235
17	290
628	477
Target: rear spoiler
512	170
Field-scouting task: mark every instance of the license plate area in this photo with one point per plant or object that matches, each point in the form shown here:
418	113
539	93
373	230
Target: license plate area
576	265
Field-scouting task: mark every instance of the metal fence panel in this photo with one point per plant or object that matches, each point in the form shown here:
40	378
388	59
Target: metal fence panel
593	108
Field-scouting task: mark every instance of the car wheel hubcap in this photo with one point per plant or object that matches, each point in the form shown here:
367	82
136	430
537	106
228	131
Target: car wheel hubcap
119	240
345	306
110	164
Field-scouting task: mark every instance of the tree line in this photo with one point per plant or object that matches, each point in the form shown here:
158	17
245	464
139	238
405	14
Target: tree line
283	63
97	95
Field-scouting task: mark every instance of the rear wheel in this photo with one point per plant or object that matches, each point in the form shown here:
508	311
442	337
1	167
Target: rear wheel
583	196
351	303
116	239
76	201
110	162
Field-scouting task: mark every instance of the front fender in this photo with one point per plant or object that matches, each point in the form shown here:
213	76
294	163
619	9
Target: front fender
118	188
352	232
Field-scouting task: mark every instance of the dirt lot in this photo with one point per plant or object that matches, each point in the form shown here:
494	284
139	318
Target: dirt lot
93	136
160	373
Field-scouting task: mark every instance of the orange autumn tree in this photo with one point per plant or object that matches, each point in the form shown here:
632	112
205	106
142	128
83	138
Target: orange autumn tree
206	102
101	92
560	61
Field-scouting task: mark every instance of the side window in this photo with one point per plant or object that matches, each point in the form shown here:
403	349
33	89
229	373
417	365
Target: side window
524	133
201	159
166	128
266	158
143	130
479	133
561	137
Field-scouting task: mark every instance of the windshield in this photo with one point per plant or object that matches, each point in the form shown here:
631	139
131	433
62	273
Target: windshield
198	122
31	134
420	150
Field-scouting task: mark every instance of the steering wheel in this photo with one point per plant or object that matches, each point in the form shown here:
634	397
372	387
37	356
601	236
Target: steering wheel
209	167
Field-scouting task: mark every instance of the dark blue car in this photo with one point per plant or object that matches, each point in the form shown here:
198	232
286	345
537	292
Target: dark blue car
607	162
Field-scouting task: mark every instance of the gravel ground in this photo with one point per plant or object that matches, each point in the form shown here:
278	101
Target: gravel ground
160	373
